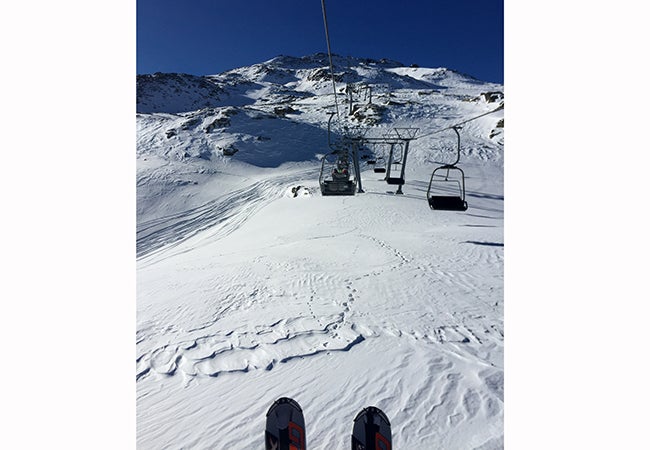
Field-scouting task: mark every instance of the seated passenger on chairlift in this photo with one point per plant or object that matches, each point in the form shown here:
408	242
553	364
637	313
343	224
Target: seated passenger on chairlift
339	173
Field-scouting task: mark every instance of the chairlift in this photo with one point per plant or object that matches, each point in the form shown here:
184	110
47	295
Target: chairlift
380	165
336	175
394	165
380	162
447	193
398	162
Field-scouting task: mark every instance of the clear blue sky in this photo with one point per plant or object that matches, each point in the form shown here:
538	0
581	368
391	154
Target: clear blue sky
203	37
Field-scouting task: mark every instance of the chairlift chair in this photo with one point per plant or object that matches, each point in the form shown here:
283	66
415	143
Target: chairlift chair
394	165
405	135
380	165
380	161
335	174
395	180
438	192
441	200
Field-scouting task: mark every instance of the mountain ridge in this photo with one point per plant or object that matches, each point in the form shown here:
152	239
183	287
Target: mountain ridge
179	92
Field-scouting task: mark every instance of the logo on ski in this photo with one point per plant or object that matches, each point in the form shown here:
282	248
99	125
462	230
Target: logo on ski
285	426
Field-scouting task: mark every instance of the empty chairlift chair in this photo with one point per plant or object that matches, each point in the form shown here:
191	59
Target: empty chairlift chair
380	165
394	174
447	192
397	161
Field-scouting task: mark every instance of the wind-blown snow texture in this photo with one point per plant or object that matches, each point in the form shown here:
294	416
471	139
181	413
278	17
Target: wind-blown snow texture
250	288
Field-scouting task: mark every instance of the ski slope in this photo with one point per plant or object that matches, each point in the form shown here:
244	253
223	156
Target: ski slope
252	286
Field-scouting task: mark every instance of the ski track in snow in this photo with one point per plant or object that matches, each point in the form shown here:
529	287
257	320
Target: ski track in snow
229	211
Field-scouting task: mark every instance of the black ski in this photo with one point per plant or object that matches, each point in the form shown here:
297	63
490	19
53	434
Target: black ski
285	426
371	430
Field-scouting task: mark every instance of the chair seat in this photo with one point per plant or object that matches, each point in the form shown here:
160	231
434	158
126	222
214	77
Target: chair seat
447	203
338	188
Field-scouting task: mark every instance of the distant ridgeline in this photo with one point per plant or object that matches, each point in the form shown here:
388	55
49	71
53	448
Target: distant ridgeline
285	78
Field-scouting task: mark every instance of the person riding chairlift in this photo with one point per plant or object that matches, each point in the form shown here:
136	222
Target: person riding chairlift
339	172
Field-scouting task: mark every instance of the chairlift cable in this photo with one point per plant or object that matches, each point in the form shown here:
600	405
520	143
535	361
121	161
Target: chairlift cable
329	53
500	107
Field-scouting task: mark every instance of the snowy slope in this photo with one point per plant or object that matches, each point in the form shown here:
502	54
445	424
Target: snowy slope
248	292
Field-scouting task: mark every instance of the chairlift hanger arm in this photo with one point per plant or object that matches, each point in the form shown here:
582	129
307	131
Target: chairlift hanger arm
456	128
329	129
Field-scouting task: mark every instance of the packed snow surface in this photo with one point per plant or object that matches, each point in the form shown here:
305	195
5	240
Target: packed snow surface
252	286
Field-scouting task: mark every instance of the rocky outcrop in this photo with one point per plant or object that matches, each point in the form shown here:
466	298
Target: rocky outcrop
175	92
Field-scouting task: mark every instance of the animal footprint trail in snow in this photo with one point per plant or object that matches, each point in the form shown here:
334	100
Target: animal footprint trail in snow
403	260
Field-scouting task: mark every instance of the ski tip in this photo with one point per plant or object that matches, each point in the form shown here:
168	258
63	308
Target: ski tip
285	426
370	410
282	401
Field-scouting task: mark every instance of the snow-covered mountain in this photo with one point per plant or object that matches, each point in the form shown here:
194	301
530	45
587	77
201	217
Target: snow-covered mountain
284	78
253	286
276	112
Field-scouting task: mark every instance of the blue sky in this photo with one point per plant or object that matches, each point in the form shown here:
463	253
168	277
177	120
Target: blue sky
203	37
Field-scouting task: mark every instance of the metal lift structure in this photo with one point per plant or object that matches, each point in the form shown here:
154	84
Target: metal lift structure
336	178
